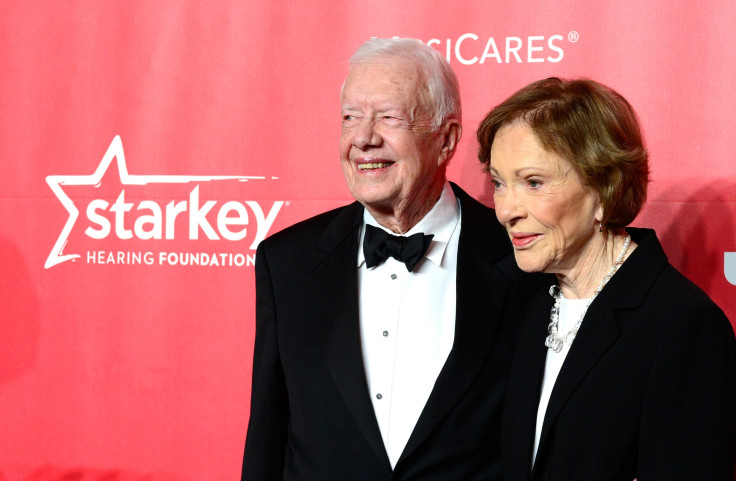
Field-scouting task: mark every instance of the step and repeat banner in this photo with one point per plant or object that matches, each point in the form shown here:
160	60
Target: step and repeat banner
146	148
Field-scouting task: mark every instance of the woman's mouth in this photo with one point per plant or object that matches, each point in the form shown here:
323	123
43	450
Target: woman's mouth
521	240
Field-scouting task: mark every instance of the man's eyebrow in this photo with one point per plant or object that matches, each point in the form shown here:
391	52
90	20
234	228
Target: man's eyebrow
377	108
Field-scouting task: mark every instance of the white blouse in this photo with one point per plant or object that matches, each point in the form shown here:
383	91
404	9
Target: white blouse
570	312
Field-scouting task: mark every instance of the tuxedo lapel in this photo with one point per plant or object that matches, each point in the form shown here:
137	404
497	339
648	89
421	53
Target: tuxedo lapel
481	291
336	277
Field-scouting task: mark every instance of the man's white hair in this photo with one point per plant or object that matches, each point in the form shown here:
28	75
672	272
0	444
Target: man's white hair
441	93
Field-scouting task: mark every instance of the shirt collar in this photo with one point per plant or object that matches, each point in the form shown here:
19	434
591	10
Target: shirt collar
441	220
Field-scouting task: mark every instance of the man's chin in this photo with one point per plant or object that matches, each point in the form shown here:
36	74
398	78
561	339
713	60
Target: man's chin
375	195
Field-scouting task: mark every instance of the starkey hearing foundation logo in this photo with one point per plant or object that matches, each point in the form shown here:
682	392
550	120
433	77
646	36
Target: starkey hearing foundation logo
157	219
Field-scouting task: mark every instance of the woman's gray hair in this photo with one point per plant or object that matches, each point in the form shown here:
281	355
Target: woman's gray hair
441	96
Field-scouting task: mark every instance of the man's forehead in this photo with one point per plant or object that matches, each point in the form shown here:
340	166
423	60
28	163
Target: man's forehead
390	82
397	69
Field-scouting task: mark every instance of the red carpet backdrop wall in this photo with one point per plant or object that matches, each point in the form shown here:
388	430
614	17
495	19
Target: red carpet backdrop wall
146	148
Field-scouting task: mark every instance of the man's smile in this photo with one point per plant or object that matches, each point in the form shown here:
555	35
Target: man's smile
375	165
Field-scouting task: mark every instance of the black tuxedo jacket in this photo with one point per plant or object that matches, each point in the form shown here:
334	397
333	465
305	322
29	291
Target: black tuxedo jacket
646	391
311	415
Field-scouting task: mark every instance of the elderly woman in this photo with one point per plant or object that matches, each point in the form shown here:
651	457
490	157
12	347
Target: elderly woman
624	369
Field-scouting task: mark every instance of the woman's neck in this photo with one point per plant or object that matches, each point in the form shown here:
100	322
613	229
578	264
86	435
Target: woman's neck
587	276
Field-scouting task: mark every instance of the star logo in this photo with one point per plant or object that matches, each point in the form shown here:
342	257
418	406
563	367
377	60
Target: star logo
114	153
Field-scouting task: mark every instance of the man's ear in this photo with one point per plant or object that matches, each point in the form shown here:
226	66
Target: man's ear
451	133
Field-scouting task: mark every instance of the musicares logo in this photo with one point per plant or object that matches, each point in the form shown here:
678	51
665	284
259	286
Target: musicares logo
472	49
119	221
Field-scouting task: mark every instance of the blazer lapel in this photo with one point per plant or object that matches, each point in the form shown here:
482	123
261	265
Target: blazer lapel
599	330
524	387
476	319
337	274
597	334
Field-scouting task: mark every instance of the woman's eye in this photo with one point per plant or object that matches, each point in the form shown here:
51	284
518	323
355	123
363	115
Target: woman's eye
534	183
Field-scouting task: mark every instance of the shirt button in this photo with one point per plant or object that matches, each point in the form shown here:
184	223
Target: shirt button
385	333
393	277
379	396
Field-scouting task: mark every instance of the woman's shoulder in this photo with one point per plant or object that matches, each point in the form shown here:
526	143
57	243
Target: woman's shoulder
680	312
662	294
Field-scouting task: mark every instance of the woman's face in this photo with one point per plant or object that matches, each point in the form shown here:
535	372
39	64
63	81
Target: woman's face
549	214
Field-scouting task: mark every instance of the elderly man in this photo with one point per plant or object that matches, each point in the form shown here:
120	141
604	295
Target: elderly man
383	328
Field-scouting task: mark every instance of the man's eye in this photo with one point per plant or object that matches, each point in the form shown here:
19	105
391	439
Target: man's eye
391	120
349	120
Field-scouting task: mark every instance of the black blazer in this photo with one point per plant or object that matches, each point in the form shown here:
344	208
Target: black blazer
311	415
647	389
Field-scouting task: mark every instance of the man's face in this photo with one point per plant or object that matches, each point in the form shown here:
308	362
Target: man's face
391	158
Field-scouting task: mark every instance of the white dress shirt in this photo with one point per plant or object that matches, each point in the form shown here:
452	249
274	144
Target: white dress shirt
570	312
407	323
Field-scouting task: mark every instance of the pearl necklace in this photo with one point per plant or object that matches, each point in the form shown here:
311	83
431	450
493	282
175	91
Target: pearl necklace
555	342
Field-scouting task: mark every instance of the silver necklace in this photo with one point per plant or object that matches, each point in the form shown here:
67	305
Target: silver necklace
555	342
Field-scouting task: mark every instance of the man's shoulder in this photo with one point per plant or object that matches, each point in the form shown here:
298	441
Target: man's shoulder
308	230
474	208
480	226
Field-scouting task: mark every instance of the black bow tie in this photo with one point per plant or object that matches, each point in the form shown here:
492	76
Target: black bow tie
379	245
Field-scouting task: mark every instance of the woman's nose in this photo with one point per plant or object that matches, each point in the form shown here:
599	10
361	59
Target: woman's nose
508	208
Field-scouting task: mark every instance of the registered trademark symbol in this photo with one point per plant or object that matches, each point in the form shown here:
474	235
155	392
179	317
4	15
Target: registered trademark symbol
573	36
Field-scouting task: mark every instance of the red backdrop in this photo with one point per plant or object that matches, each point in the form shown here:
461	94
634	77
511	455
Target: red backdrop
147	147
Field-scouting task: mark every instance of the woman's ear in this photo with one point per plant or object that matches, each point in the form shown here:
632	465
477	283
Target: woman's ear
599	213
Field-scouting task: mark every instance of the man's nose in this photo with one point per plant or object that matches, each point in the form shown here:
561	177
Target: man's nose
366	134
